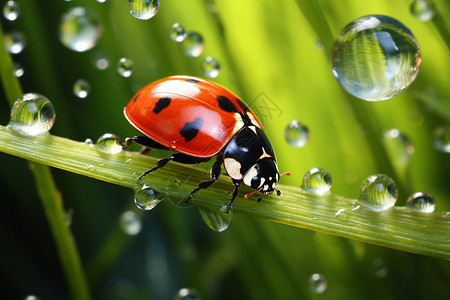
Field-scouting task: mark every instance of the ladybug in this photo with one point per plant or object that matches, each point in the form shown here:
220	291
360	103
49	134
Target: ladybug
199	120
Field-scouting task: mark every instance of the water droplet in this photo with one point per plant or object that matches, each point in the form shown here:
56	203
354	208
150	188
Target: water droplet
32	297
79	29
398	146
441	140
101	62
378	192
173	145
18	70
422	202
130	223
89	142
379	268
341	215
143	9
11	10
375	58
211	67
81	88
317	283
125	67
422	10
193	44
296	134
101	1
177	32
187	294
216	220
147	198
317	181
109	143
32	115
15	41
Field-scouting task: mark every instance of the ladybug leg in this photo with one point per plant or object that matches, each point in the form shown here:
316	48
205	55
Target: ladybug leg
235	193
215	173
145	141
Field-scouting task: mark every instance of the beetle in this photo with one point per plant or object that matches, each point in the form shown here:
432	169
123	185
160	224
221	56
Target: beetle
200	119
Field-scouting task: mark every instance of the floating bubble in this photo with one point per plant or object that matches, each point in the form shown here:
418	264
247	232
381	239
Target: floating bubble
32	115
18	70
296	134
81	88
375	58
211	67
187	294
378	192
79	29
109	143
399	147
177	32
317	181
143	9
15	41
193	44
130	223
317	283
422	202
11	10
147	198
422	10
441	139
379	268
216	220
125	67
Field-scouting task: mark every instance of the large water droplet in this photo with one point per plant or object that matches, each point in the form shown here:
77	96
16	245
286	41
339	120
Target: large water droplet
81	88
211	67
187	294
375	58
125	67
317	181
130	223
398	146
422	9
177	32
317	283
147	198
216	220
11	10
442	139
79	29
15	41
143	9
296	134
421	201
193	44
32	115
109	143
378	192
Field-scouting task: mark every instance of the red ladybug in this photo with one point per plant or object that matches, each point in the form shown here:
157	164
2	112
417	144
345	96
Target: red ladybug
200	119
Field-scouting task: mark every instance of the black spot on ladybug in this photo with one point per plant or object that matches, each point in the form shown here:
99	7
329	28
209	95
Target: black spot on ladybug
161	104
135	98
192	80
226	104
190	129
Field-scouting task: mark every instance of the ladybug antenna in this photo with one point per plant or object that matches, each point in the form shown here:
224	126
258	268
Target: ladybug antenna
285	174
249	194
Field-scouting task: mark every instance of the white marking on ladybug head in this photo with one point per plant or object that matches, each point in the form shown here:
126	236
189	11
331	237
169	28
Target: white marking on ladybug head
253	119
233	168
249	176
265	188
239	123
273	185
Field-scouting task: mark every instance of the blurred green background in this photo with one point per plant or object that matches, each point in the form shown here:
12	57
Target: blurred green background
270	57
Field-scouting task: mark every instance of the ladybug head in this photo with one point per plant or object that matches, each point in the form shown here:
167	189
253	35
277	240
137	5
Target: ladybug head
263	176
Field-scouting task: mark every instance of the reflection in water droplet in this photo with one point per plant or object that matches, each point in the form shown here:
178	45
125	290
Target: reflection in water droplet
441	138
18	70
317	283
341	215
109	143
32	115
143	9
421	201
32	297
177	32
398	146
378	192
193	44
211	67
15	41
81	88
125	67
11	10
379	268
422	10
187	294
130	223
317	181
79	29
147	198
296	134
216	220
375	58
